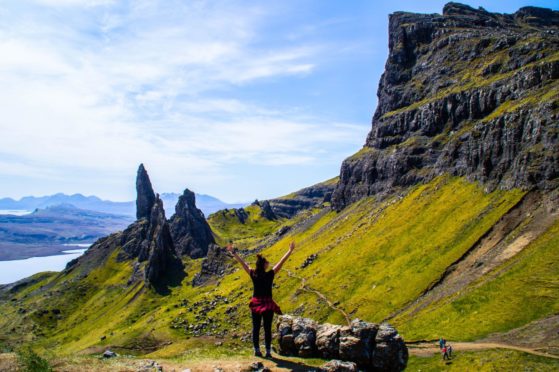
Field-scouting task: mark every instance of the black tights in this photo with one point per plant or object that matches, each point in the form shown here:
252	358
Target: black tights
256	321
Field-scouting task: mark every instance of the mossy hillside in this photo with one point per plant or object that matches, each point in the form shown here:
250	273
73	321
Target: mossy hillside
523	289
482	361
379	255
373	257
383	257
226	226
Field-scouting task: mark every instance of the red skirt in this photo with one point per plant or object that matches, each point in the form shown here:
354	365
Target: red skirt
260	305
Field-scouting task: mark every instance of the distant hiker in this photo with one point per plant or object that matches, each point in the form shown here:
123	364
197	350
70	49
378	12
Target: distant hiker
262	305
444	351
449	350
442	342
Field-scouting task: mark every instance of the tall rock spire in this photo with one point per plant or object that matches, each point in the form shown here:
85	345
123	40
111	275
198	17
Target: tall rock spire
146	197
190	230
163	266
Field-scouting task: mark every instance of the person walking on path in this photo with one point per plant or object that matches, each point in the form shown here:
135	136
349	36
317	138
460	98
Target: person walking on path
262	305
444	351
449	350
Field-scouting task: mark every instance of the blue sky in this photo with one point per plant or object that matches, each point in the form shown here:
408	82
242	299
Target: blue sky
236	99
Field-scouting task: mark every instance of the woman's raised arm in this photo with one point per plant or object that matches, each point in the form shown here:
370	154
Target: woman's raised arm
278	266
238	258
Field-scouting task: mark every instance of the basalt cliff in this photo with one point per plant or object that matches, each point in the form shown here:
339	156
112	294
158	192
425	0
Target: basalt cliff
465	92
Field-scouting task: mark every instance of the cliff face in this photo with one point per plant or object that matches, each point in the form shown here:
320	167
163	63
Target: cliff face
468	92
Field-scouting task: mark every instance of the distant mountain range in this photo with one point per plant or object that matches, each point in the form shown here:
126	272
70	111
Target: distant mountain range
54	229
208	204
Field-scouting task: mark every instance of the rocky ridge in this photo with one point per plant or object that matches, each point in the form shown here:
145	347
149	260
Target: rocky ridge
309	197
469	93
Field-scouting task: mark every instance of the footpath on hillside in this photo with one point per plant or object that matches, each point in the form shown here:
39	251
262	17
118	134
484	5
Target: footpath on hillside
429	348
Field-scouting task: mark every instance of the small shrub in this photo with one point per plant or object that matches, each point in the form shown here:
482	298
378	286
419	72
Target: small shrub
30	361
5	348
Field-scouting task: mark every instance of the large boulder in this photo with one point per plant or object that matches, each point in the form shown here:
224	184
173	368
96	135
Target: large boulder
370	346
328	341
304	331
339	366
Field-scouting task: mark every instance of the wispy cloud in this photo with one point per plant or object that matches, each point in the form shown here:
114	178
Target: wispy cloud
101	86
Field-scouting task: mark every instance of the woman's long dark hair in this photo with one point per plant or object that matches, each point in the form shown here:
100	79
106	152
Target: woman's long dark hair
260	265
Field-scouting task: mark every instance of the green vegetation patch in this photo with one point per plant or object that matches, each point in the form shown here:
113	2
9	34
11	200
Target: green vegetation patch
227	226
524	289
481	361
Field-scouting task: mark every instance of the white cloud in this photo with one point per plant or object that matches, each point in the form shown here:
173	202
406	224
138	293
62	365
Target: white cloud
118	85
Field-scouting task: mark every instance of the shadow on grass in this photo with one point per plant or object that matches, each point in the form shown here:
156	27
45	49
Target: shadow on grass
292	365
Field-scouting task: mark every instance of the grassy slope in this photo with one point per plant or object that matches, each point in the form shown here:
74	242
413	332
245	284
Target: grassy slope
523	289
481	361
373	258
226	227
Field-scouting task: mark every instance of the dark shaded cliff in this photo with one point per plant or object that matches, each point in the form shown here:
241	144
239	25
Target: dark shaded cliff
468	92
146	196
190	230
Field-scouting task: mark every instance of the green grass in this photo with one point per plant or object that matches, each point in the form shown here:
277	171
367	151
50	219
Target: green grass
227	226
481	361
30	361
383	256
524	289
373	258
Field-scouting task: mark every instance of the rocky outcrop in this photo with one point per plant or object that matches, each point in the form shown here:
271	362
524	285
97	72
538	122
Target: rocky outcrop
163	265
241	214
150	240
145	195
214	265
468	93
370	346
309	197
266	211
190	231
147	241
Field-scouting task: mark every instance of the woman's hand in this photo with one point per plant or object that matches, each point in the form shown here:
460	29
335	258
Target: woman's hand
291	246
